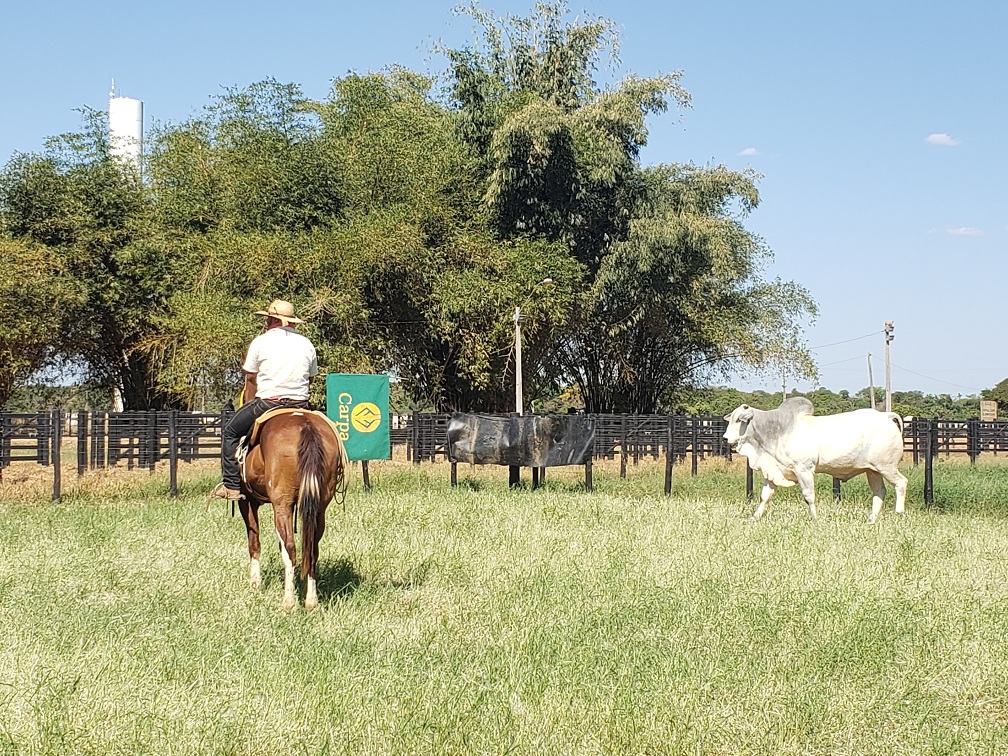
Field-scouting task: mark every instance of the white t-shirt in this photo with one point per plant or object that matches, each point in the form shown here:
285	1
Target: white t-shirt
283	361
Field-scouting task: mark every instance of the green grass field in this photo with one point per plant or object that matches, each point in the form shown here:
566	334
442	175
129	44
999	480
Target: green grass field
481	620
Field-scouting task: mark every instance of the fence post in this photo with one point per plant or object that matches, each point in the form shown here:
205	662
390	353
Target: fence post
623	445
153	439
514	471
694	442
973	439
43	441
748	480
836	489
930	449
915	440
668	456
57	439
96	423
82	439
5	451
415	433
173	452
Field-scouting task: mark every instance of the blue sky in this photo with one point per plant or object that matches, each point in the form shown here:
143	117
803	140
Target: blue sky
880	129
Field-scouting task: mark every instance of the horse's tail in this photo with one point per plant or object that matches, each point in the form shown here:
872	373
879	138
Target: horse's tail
311	471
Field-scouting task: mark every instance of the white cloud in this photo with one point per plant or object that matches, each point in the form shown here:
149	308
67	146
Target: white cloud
748	152
965	231
943	140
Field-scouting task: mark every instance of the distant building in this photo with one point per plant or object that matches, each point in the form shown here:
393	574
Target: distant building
125	119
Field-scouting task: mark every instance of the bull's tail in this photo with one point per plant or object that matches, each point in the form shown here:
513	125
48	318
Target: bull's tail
311	470
898	420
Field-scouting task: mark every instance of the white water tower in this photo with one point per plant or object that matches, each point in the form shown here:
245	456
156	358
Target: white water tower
125	118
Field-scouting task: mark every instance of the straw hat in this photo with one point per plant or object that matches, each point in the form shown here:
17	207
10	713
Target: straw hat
282	310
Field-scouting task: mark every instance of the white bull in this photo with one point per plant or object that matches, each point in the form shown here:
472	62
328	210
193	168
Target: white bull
790	445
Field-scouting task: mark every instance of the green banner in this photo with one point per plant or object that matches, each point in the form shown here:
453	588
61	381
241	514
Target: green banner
359	405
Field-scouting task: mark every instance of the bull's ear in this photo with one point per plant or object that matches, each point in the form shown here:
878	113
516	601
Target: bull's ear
739	413
747	414
735	412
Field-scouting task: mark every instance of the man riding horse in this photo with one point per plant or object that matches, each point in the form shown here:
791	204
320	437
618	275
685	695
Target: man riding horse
278	366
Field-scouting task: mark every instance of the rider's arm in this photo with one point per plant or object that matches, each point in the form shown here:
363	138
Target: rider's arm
250	386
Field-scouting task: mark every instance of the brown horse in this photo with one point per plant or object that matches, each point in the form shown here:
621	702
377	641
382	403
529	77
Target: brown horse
299	464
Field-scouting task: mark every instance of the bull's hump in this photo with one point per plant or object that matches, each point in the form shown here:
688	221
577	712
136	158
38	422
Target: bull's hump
771	426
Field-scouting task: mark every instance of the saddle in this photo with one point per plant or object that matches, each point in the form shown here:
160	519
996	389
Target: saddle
249	441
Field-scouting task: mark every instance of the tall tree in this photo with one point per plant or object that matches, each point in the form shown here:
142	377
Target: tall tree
436	290
680	298
92	214
244	196
35	291
253	162
667	268
999	394
557	152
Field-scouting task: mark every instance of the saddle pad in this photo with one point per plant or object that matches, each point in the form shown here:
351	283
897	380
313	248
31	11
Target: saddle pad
253	435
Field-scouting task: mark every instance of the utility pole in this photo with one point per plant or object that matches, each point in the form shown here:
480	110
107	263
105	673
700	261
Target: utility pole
514	471
871	383
519	399
888	374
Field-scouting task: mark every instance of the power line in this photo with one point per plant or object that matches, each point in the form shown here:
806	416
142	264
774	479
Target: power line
893	364
973	389
847	341
937	380
840	362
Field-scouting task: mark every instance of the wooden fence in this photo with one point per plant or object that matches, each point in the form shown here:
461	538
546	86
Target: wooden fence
143	439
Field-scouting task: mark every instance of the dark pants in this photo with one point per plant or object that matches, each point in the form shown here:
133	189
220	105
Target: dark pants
239	425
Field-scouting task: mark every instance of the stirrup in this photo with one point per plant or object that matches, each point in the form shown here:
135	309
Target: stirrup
220	491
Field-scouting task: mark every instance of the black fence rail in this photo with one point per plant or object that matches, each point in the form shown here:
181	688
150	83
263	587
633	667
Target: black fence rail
32	437
428	437
144	439
636	437
26	436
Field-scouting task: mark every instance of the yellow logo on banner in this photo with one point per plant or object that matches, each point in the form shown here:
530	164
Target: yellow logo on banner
365	417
